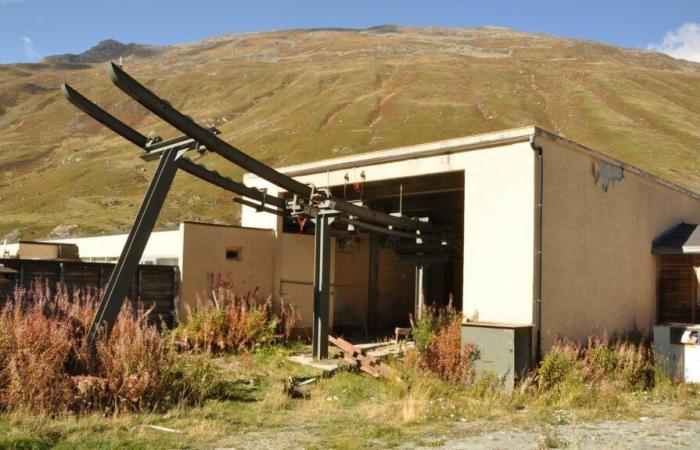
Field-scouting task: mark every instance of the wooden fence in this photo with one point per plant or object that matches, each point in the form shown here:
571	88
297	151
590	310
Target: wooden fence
678	289
153	285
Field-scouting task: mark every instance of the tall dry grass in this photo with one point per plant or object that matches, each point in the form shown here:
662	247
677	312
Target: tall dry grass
45	363
447	357
626	364
438	336
238	323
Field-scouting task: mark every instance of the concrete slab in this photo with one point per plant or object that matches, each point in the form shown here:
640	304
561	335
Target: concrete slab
329	365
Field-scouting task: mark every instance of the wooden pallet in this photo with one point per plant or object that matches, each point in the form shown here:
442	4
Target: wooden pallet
358	358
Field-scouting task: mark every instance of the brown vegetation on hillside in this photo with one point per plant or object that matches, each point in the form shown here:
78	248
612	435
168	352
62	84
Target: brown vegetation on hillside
293	96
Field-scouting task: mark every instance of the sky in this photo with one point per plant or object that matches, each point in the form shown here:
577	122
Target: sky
32	29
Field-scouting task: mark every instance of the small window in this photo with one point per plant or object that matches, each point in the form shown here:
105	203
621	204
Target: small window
233	254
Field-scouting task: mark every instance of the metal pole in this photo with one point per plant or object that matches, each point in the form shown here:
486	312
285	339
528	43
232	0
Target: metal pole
419	291
123	273
391	232
322	279
373	283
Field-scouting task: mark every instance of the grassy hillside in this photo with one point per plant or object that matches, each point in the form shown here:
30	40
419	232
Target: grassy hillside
292	96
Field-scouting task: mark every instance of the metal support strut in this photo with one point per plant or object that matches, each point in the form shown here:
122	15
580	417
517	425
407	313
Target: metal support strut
200	138
128	263
322	281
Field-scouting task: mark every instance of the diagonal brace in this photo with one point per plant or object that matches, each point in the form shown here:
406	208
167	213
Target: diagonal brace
123	274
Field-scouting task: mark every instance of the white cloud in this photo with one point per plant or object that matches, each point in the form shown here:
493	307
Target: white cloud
29	50
682	43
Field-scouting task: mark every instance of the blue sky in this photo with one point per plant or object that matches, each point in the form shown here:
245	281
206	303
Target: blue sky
30	29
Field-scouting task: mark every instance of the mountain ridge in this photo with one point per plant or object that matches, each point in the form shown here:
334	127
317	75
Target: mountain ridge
301	95
106	50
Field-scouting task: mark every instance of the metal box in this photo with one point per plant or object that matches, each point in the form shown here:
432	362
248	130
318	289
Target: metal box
678	352
504	350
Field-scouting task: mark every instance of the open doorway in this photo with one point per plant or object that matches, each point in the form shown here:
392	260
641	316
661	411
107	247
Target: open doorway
375	287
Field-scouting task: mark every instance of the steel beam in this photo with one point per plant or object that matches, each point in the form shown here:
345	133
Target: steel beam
376	216
373	284
123	273
228	184
388	231
154	147
103	116
322	280
259	207
189	127
186	125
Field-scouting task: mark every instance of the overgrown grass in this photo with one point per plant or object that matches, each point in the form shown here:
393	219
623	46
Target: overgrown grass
595	373
348	410
235	398
445	355
427	326
239	323
46	365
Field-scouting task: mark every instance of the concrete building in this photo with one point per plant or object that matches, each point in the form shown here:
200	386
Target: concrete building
547	239
201	252
164	246
38	250
556	237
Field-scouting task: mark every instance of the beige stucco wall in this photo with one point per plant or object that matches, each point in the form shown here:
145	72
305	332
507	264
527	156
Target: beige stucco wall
396	285
498	224
351	287
598	269
30	250
204	252
294	274
499	192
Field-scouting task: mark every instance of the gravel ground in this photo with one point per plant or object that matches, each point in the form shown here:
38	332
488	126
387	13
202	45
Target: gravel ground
645	433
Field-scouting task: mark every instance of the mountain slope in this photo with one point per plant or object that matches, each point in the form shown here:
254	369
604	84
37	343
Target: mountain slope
292	96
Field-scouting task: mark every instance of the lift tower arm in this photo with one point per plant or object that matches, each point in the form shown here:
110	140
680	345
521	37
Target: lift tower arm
186	125
324	206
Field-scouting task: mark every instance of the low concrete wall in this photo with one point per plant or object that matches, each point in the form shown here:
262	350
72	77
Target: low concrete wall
208	250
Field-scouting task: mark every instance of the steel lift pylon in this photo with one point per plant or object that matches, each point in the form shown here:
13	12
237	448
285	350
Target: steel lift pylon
317	204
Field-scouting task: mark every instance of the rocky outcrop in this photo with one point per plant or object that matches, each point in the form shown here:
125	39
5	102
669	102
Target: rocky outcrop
106	50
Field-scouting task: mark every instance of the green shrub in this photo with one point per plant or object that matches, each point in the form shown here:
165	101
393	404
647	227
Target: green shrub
441	350
603	360
194	379
447	357
430	322
559	362
235	323
635	368
424	330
